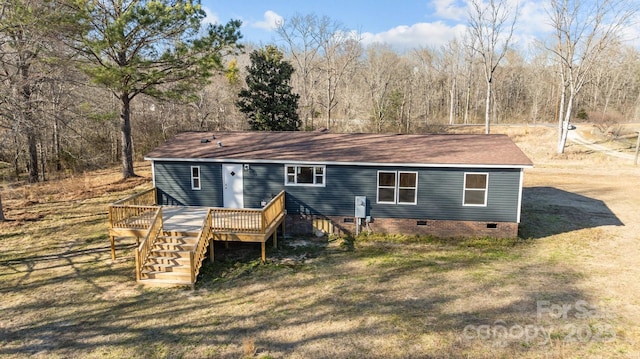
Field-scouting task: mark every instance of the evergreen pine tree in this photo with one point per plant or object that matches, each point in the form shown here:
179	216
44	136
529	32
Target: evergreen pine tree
158	48
268	101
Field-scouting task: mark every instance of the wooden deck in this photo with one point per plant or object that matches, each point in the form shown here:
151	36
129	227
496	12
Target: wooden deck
138	216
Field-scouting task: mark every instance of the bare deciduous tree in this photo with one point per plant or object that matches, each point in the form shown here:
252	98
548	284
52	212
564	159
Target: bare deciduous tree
583	32
23	42
382	72
299	32
491	27
339	49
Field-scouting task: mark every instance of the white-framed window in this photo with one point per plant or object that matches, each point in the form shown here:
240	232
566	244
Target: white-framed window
195	177
304	175
397	187
476	188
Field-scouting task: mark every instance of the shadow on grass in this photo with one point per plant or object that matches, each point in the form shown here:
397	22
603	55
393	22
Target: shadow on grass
312	298
63	255
547	211
340	301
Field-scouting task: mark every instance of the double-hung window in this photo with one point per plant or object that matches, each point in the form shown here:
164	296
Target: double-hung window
303	175
475	189
195	177
397	187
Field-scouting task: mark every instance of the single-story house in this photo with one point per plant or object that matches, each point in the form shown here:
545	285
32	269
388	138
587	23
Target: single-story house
444	184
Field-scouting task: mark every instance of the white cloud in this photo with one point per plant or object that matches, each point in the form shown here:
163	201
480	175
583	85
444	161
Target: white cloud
270	21
533	18
417	35
449	9
211	17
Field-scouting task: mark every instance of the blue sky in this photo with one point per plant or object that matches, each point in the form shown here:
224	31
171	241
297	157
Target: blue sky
404	24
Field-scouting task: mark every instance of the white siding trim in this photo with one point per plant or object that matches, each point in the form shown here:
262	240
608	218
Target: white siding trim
486	190
153	173
520	195
199	177
397	188
296	184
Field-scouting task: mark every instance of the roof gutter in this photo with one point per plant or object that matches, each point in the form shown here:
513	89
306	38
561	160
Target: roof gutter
336	163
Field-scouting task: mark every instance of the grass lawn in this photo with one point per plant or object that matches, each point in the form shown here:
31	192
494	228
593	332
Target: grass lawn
566	289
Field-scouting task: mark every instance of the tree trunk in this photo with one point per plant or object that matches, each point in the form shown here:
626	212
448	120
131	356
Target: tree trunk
487	109
1	212
16	158
43	162
564	127
28	117
56	140
452	97
33	156
328	102
127	143
467	99
560	116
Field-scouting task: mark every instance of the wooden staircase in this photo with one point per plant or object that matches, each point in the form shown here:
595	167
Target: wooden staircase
168	263
173	255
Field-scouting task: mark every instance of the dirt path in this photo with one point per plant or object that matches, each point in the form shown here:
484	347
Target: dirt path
575	137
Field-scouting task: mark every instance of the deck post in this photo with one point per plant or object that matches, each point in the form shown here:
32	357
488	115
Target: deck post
275	238
211	250
264	256
113	248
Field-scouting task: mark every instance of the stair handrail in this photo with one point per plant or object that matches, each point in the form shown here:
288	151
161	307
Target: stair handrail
272	211
199	250
144	249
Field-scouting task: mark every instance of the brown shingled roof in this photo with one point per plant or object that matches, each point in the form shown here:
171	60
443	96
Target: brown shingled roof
327	147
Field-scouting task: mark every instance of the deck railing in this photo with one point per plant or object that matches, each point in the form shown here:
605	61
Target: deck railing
236	220
130	216
144	198
135	211
143	250
248	220
199	251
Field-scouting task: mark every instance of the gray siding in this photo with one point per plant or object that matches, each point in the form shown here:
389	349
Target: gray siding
173	181
440	191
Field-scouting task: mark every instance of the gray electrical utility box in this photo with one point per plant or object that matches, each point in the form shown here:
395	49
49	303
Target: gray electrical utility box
361	206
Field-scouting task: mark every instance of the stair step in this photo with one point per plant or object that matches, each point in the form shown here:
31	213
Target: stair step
164	283
174	246
177	239
168	263
177	276
168	260
165	267
170	253
181	234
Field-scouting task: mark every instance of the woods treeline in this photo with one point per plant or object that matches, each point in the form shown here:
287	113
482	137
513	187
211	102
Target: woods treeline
89	83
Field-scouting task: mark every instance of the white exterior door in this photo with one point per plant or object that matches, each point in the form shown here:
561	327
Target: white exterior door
232	186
